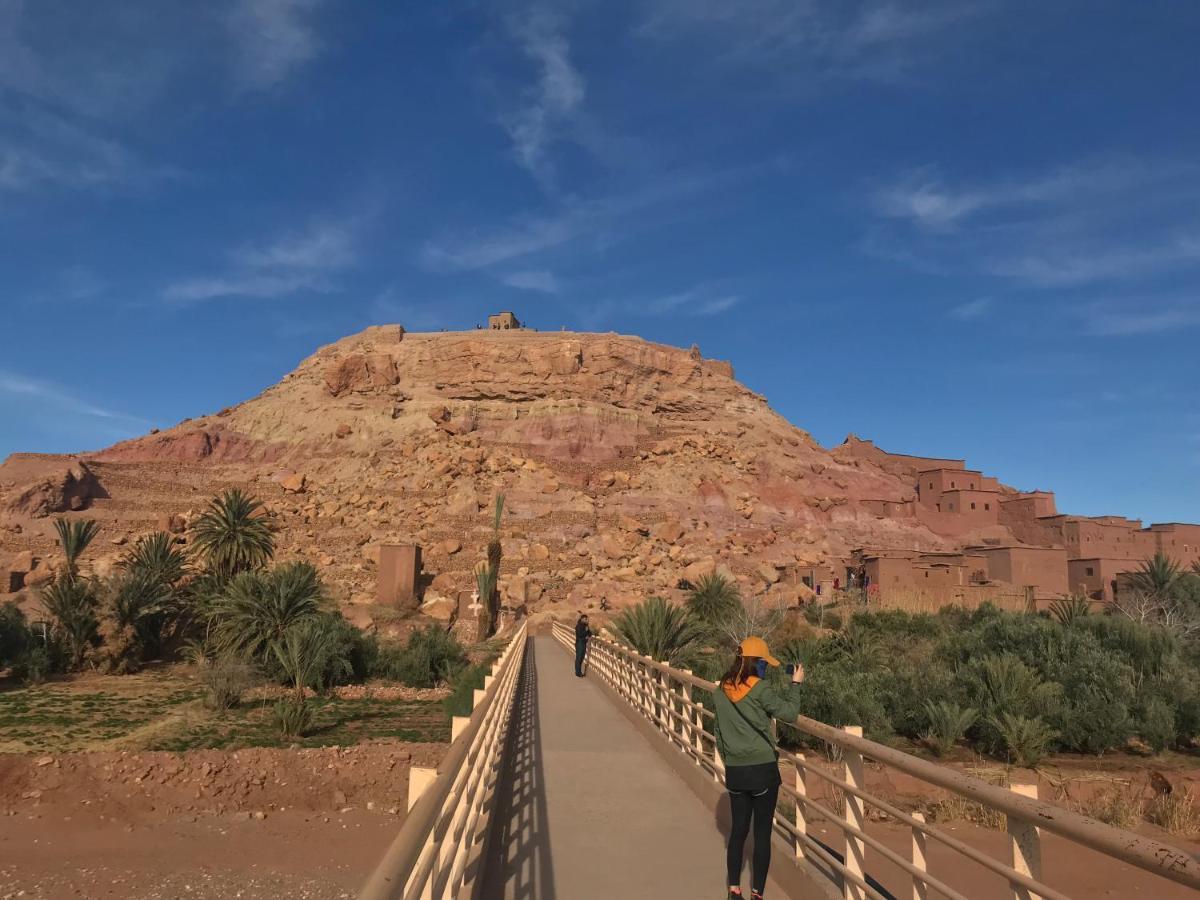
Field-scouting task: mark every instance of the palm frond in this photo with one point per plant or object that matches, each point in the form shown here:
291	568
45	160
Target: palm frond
657	629
74	536
233	536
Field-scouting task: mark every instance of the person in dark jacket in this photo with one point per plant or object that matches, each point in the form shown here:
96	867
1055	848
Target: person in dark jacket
745	704
582	634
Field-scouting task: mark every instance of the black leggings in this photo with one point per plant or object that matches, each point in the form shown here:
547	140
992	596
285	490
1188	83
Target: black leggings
760	807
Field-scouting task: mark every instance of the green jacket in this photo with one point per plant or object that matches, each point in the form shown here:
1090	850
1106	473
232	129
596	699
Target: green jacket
737	740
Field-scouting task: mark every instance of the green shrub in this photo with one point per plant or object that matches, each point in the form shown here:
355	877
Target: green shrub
1023	739
713	600
14	634
431	656
462	698
948	723
657	629
225	680
256	609
1155	724
71	605
1070	610
292	716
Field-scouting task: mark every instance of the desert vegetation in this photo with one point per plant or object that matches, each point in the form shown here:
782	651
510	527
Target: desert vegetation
1007	685
224	606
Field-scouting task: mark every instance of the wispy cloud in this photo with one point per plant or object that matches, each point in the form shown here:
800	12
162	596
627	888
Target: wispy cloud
548	106
576	220
297	262
1090	222
822	37
1146	315
972	309
39	148
272	39
16	385
701	301
532	280
924	198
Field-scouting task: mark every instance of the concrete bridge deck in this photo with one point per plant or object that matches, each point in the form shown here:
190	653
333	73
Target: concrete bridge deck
589	809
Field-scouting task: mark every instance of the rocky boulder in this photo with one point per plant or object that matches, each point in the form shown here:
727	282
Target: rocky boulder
70	488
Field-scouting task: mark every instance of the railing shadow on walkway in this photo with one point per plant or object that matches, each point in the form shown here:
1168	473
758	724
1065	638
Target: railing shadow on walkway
519	864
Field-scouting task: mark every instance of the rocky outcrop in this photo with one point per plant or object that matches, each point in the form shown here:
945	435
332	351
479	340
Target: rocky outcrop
61	486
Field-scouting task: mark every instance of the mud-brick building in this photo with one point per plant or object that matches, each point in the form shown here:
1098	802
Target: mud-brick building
503	321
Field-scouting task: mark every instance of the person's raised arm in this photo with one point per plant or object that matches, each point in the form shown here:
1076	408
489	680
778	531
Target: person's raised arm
783	704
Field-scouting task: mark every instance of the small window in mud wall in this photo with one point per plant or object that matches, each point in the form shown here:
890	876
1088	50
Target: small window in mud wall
972	506
931	484
987	506
952	484
1090	570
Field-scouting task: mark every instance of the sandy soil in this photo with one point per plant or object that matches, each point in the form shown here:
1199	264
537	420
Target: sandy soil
255	823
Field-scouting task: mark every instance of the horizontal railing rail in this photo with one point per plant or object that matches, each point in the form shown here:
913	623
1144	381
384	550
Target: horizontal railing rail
437	853
668	698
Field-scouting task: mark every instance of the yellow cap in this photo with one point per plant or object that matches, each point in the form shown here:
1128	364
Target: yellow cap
756	646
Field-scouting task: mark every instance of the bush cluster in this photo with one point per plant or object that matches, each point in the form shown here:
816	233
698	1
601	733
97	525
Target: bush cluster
226	607
1012	685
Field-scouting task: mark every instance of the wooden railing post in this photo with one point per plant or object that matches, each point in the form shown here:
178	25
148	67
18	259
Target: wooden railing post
854	850
1026	843
801	814
920	890
419	778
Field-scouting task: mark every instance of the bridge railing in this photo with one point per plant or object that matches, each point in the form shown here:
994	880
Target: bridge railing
667	697
438	852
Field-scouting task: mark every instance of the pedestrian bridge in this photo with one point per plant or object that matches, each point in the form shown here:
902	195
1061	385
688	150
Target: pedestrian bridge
610	786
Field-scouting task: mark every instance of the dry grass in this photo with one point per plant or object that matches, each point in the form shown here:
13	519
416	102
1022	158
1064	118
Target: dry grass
1121	805
1176	812
959	809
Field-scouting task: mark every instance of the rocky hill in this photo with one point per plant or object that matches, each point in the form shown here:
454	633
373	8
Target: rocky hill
626	466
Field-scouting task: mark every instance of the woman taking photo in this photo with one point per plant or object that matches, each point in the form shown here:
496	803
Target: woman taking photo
745	705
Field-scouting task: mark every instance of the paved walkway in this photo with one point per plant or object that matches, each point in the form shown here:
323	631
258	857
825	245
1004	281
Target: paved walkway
588	810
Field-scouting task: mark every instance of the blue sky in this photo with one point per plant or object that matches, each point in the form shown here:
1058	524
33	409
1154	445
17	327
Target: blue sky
963	228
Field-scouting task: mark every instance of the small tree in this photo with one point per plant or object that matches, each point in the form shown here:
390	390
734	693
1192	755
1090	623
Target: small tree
495	554
257	609
1156	576
70	603
233	535
657	629
157	558
713	600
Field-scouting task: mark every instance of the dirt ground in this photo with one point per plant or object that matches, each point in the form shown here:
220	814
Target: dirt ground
308	823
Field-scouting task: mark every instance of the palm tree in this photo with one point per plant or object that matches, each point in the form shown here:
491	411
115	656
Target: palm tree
714	600
157	558
71	604
659	630
1156	576
309	654
137	605
74	537
256	609
233	535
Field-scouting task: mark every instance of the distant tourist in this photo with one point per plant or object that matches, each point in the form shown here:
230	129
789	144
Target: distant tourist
582	634
745	705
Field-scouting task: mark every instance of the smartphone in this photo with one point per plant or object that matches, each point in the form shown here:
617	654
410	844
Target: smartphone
791	669
762	668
